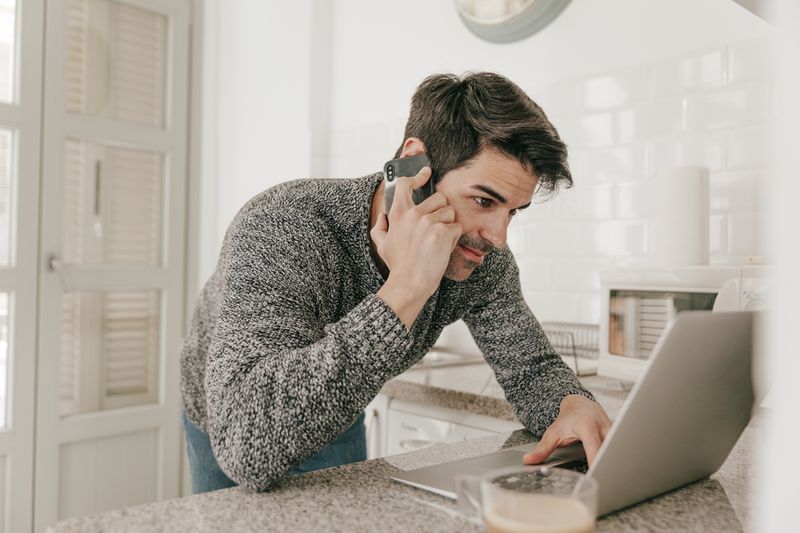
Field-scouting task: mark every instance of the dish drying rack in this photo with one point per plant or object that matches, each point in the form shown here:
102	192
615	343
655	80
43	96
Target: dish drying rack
575	342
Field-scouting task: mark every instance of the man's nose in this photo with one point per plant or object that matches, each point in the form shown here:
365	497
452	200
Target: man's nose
496	231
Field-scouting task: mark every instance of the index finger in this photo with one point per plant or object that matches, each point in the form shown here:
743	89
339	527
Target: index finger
406	185
543	449
591	445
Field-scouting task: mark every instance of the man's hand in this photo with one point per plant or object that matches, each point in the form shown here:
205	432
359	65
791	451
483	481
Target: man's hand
579	419
415	243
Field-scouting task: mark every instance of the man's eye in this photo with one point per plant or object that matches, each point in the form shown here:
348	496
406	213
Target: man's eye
483	202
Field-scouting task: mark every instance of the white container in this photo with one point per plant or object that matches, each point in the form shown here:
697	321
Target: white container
680	236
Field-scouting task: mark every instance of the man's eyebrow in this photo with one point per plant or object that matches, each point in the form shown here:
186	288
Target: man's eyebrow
496	195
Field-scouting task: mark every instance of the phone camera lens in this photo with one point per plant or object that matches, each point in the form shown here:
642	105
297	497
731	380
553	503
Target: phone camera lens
390	172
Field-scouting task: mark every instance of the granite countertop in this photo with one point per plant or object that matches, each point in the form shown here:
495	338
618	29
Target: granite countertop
362	497
471	386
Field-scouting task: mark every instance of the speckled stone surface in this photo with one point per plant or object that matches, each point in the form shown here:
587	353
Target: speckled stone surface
473	388
441	397
362	496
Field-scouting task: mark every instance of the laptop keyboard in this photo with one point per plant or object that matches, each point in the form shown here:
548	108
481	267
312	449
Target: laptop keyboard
578	465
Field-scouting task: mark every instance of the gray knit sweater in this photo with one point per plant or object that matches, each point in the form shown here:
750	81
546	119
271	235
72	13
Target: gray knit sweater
289	342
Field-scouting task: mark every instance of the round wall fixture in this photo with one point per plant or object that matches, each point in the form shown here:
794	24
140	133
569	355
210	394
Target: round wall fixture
505	21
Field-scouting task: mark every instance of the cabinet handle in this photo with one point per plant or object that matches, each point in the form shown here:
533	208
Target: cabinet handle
416	444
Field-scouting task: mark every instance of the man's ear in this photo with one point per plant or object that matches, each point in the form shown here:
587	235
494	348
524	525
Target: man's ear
413	146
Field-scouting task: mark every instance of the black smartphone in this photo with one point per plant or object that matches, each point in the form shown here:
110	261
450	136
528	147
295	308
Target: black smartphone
406	166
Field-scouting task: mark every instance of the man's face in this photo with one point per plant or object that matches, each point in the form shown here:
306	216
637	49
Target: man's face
486	194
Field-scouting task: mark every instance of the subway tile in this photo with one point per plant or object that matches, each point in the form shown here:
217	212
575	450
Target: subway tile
535	273
734	191
697	149
577	274
578	164
535	238
778	97
704	70
747	147
561	206
634	199
616	162
615	89
550	306
726	108
750	60
597	129
559	98
718	234
629	261
589	201
650	120
589	308
554	237
566	238
616	238
589	130
516	240
744	234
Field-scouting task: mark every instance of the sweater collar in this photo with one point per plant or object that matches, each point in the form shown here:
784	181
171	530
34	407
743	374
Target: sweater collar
366	187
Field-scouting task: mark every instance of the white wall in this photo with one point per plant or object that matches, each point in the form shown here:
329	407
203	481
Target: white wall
257	85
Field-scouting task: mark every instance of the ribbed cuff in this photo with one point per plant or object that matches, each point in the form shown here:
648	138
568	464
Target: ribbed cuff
376	336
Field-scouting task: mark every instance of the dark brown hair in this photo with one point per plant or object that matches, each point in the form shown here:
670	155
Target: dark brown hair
456	117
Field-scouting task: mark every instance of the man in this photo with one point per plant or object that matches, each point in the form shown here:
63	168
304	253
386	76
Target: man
320	297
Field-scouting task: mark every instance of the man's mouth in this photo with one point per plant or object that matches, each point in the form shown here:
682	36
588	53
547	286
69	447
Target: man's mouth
472	254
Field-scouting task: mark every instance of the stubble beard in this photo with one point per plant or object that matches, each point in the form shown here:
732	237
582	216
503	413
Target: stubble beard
459	268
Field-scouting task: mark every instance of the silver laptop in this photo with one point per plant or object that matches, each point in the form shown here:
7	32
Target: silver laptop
678	425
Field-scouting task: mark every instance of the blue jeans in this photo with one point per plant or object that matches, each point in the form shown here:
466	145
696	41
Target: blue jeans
349	447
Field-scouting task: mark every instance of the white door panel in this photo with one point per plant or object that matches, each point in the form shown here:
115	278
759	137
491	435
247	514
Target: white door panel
113	226
21	31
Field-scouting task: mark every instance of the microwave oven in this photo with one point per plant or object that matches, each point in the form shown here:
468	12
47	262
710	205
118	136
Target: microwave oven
637	304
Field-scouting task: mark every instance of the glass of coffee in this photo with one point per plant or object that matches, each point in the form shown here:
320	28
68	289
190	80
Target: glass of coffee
530	499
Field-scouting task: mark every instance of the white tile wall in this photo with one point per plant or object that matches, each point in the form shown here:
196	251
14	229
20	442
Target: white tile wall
710	108
700	71
732	106
613	163
707	108
614	90
747	147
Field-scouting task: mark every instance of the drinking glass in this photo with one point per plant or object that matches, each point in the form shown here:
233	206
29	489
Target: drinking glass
530	499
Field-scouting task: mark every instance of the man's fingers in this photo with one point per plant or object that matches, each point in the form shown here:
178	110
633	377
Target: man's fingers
405	187
421	178
446	214
542	450
378	231
604	429
591	444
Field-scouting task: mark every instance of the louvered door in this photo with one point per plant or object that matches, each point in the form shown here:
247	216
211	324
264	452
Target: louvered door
114	189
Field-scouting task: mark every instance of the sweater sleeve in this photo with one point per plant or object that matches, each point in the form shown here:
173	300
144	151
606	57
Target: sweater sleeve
532	374
280	383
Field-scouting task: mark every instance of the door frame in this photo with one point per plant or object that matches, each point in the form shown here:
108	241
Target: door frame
19	278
